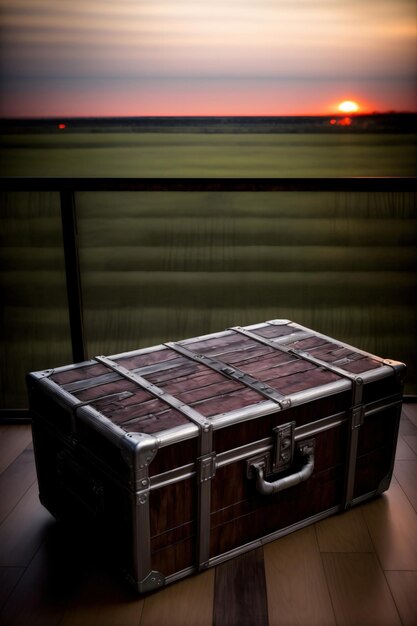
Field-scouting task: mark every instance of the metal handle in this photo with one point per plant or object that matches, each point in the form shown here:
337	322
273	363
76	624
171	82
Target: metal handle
266	488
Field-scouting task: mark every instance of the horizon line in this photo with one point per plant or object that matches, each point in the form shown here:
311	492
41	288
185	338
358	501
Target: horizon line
237	115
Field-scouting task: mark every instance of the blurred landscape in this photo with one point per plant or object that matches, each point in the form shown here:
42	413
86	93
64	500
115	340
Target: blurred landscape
373	145
160	266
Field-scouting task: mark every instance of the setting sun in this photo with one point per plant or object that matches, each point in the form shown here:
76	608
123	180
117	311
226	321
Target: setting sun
348	106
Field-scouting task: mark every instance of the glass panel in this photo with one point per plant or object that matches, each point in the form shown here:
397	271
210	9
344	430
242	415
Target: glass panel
34	328
166	266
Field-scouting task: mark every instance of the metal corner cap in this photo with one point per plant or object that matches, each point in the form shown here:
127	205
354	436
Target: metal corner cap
143	446
398	366
140	442
154	580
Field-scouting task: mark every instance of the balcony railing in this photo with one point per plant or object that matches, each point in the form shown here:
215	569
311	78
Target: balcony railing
68	187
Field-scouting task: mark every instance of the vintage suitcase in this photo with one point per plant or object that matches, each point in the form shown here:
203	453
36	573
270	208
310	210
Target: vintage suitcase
189	453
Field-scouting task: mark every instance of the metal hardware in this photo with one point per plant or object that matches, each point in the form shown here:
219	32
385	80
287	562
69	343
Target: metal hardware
206	467
154	580
306	449
357	393
280	457
356	420
234	373
284	447
263	460
358	416
399	368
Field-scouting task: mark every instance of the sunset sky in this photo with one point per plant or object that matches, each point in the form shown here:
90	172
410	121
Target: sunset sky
206	57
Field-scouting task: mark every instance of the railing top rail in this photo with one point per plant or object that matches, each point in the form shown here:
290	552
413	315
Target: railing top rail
372	183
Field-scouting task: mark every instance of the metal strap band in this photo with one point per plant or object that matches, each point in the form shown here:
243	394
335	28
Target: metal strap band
206	461
342	344
259	339
234	373
159	393
306	356
356	411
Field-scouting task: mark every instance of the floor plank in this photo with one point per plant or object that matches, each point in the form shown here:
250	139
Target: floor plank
12	442
15	481
407	426
240	592
186	603
346	532
23	531
9	576
403	587
410	410
296	586
406	472
411	441
359	590
48	585
404	451
392	523
103	601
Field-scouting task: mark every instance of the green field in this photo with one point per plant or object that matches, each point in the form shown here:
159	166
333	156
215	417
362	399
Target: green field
198	154
163	266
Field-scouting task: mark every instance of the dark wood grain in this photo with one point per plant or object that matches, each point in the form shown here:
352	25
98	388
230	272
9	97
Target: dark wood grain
243	433
240	593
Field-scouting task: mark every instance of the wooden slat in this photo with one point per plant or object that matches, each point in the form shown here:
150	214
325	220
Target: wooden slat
15	481
392	523
295	581
359	590
188	602
12	442
240	595
344	533
403	587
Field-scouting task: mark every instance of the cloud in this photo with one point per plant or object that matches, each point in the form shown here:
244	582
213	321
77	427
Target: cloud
303	39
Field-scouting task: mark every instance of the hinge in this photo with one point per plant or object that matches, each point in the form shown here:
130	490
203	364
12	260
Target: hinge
358	416
206	467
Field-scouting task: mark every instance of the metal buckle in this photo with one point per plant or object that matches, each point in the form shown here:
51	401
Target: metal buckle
283	447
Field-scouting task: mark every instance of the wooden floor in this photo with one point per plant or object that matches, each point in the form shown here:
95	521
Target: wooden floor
357	568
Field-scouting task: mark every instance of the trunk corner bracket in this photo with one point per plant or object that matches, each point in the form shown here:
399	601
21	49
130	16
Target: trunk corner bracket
154	580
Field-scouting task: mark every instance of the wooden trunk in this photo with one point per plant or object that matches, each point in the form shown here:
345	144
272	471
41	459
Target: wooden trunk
186	454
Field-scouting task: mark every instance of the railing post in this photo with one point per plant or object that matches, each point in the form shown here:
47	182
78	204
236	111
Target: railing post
73	275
